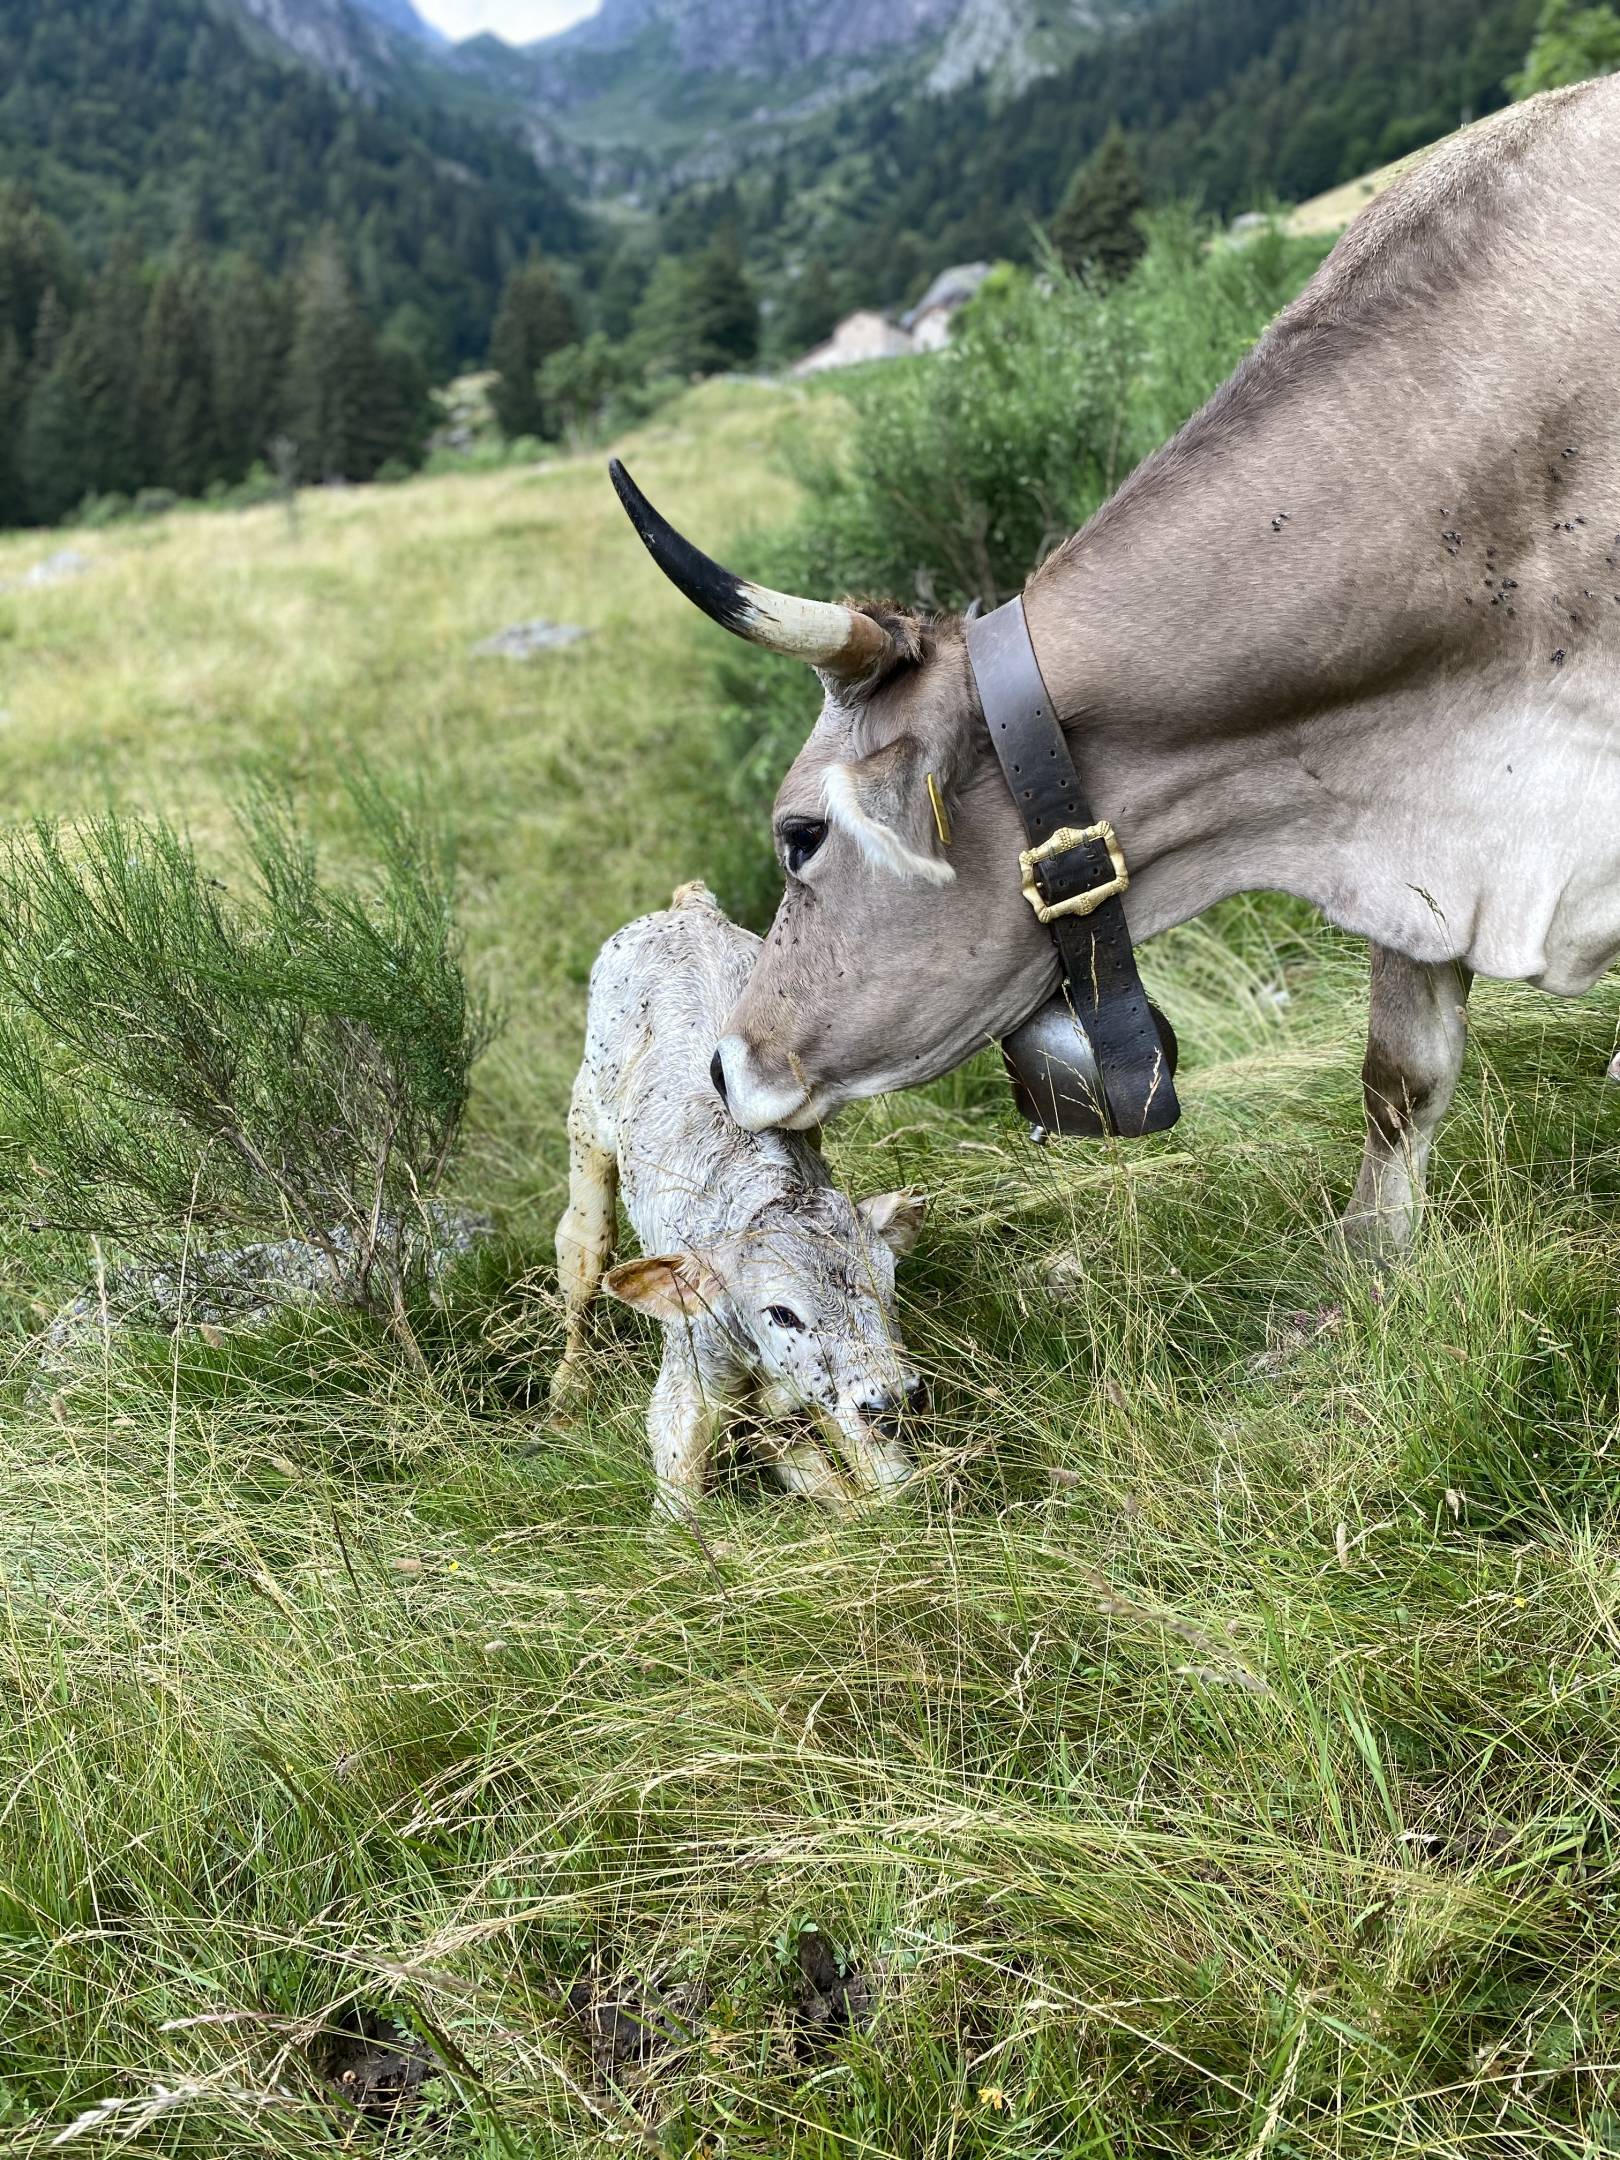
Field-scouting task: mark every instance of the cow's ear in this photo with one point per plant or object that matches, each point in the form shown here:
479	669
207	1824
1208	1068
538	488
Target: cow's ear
670	1286
884	802
896	1217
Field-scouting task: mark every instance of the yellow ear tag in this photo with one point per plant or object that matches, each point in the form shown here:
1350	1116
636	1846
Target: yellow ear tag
942	823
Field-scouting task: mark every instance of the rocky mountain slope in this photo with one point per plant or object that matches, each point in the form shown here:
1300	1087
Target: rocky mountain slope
400	17
684	90
774	46
676	91
343	40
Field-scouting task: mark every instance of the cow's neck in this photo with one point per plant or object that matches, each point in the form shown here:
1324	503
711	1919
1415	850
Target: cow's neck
1229	636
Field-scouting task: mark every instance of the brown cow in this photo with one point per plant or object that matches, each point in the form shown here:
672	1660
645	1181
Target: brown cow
1353	635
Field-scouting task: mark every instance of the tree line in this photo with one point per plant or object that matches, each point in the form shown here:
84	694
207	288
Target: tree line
185	373
126	368
560	359
168	120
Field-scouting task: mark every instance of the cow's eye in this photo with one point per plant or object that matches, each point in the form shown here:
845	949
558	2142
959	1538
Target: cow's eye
783	1316
800	839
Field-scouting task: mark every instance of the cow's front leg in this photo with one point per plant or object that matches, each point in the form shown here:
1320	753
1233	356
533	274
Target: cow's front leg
1417	1027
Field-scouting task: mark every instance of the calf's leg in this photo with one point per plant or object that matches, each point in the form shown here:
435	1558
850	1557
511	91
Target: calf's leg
585	1233
691	1400
1417	1027
800	1465
804	1469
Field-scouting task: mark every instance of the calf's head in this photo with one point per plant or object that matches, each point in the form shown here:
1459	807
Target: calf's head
806	1293
903	942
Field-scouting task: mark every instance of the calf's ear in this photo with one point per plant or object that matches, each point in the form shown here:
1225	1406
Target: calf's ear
896	1217
670	1286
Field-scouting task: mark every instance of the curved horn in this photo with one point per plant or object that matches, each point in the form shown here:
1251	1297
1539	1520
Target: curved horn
838	640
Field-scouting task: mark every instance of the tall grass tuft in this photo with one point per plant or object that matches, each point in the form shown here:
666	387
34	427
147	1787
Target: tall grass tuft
182	1057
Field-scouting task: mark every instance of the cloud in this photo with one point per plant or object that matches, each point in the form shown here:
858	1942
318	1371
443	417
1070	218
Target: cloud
518	21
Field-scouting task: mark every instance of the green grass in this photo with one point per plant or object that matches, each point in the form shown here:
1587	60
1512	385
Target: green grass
1248	1788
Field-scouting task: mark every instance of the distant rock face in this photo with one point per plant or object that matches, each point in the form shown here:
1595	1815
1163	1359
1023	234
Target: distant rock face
349	40
996	39
766	38
400	17
1009	42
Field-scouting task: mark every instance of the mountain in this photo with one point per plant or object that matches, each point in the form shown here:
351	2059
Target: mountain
649	90
259	125
772	39
354	44
400	17
1232	106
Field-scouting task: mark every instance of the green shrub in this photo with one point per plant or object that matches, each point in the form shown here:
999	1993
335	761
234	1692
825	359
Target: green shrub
180	1058
97	511
260	485
964	469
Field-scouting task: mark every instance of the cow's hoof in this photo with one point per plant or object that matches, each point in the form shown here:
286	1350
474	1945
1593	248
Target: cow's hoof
1375	1239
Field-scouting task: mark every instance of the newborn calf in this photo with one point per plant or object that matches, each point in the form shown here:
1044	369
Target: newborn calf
772	1287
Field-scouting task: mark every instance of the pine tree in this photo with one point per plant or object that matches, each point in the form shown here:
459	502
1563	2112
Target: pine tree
535	319
50	452
620	292
811	311
333	375
175	381
662	333
119	456
13	402
248	330
82	432
1097	230
35	259
723	317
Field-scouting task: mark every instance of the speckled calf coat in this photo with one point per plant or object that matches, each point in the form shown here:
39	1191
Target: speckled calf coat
774	1289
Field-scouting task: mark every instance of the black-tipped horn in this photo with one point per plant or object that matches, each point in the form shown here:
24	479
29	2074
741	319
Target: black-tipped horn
840	641
705	583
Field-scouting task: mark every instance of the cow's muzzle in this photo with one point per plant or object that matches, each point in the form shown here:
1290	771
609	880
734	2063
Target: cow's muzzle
755	1101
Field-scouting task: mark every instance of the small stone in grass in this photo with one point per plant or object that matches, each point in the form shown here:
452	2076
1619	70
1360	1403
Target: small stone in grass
522	641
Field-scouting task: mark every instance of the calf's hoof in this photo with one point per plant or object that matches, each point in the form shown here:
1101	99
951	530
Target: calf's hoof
568	1385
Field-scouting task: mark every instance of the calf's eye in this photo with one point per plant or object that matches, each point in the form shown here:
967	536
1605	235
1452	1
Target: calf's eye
783	1316
801	837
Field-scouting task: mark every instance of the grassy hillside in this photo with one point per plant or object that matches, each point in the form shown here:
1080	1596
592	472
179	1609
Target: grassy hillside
1212	1754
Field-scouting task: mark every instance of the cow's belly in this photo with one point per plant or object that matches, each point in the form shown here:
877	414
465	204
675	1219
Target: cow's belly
1497	843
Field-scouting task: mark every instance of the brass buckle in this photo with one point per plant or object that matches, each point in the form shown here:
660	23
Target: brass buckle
1066	837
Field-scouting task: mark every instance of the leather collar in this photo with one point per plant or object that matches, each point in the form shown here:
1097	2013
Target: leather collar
1073	874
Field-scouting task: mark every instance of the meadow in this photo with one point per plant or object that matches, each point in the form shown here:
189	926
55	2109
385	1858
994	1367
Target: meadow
1213	1753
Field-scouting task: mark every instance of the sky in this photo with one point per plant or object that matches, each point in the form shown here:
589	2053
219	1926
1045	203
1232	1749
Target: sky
515	20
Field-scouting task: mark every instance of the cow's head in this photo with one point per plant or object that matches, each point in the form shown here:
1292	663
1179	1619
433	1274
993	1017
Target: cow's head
903	943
